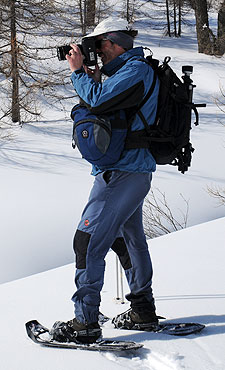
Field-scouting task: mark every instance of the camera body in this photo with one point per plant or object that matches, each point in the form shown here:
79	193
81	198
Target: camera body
87	48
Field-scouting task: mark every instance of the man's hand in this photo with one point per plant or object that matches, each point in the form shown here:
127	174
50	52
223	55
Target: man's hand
75	58
94	73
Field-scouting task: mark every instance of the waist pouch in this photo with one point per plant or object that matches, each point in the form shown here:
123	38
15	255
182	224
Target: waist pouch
99	138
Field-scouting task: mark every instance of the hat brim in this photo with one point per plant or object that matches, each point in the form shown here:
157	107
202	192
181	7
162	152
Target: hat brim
111	24
98	33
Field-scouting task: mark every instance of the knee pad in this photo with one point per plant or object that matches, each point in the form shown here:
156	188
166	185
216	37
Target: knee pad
120	248
80	246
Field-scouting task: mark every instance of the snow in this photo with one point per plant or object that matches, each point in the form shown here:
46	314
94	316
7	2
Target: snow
44	187
188	285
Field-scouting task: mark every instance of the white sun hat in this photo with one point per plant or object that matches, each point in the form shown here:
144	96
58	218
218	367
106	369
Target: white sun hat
111	24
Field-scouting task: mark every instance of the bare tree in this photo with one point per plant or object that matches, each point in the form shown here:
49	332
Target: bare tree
205	44
13	53
171	14
221	30
91	9
129	9
27	46
168	18
158	217
220	102
91	12
174	18
14	60
176	15
103	9
208	43
218	194
179	17
87	14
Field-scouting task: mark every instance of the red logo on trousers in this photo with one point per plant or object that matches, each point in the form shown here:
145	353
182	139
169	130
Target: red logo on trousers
86	222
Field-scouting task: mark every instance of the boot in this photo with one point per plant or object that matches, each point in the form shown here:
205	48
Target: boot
75	331
131	319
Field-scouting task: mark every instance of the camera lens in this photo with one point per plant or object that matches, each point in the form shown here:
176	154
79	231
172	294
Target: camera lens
62	51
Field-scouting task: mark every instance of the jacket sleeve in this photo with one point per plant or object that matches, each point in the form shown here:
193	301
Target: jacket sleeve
124	89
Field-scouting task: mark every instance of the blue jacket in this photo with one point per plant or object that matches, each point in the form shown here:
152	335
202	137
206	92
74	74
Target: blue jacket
129	80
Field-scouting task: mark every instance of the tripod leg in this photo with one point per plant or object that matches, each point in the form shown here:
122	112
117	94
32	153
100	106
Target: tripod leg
117	279
121	284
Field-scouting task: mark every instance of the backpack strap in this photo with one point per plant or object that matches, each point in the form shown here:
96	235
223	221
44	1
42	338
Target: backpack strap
139	139
149	93
147	96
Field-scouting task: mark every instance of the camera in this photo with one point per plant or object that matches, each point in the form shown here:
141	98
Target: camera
187	70
87	48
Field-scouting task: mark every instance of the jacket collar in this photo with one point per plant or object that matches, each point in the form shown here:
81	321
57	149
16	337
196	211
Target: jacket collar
112	67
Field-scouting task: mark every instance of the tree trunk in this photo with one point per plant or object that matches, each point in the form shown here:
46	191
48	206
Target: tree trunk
179	18
168	18
14	70
205	45
82	11
128	11
174	18
90	9
221	30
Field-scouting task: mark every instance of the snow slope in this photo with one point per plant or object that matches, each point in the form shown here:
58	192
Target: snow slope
188	284
44	186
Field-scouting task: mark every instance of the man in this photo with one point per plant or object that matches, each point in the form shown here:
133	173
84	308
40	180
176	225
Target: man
112	217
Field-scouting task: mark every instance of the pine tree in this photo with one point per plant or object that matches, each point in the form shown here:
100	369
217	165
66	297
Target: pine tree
30	31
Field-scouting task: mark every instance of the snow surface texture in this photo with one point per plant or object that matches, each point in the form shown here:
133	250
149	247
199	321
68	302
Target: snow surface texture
188	284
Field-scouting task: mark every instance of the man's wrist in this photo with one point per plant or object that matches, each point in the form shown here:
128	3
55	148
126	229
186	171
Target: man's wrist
79	70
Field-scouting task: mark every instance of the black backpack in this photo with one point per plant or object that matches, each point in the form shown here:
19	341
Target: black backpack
168	139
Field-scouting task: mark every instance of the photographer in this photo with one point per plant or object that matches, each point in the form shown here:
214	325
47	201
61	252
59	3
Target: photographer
112	217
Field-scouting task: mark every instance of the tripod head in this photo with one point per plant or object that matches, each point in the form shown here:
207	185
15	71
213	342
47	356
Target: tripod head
187	70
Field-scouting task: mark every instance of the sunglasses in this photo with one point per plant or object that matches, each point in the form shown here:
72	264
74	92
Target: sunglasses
98	43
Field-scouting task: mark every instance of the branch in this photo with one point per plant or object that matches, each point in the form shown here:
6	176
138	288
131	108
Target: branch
158	216
218	194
